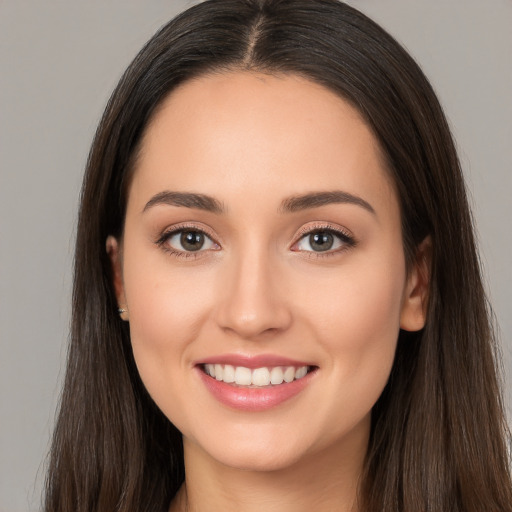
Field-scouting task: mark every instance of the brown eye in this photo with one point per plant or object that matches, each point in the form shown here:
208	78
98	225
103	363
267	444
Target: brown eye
188	240
192	240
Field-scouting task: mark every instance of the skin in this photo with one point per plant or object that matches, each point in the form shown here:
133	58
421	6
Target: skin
251	141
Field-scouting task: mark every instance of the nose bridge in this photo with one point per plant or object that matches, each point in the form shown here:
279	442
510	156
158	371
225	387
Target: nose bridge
252	301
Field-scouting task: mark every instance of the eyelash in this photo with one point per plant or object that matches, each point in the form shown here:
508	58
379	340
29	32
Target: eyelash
347	240
345	237
166	235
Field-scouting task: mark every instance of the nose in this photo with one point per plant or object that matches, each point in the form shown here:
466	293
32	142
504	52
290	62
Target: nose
253	300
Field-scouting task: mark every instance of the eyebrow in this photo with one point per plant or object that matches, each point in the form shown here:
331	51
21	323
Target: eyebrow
187	200
289	205
317	199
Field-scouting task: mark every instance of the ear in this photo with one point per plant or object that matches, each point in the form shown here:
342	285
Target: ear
114	253
415	300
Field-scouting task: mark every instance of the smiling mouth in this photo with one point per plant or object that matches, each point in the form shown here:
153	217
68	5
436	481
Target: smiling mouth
264	377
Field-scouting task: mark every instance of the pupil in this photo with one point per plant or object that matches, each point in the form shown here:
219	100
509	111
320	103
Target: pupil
321	241
192	240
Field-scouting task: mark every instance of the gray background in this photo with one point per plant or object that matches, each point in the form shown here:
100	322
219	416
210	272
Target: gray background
59	62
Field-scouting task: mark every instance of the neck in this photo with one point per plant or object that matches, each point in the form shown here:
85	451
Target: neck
321	482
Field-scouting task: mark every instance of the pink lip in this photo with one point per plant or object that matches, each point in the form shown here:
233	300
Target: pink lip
252	362
253	399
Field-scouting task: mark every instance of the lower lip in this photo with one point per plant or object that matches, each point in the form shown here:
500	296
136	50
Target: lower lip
254	399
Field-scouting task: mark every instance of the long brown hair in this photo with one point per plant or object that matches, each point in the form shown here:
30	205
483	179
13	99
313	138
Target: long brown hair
439	439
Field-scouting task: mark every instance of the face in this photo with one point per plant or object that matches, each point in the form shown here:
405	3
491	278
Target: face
263	270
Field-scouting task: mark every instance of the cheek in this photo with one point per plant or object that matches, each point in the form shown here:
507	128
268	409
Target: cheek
166	312
357	324
369	294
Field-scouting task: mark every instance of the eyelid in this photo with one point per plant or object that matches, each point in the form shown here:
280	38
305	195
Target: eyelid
168	232
326	226
347	238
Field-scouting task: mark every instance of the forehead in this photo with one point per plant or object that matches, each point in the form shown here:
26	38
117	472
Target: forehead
235	133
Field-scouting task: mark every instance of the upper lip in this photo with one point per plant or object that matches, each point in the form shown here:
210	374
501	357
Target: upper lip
255	361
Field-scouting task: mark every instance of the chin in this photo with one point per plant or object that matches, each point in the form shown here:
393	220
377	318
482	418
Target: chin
258	459
255	450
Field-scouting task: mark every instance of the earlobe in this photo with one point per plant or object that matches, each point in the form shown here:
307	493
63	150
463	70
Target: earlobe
114	252
416	293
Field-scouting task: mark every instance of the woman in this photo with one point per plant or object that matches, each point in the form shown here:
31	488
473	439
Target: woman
277	301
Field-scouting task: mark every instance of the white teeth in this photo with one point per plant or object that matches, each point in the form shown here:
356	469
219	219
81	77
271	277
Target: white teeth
258	377
299	373
243	376
229	374
261	377
219	372
276	375
289	374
